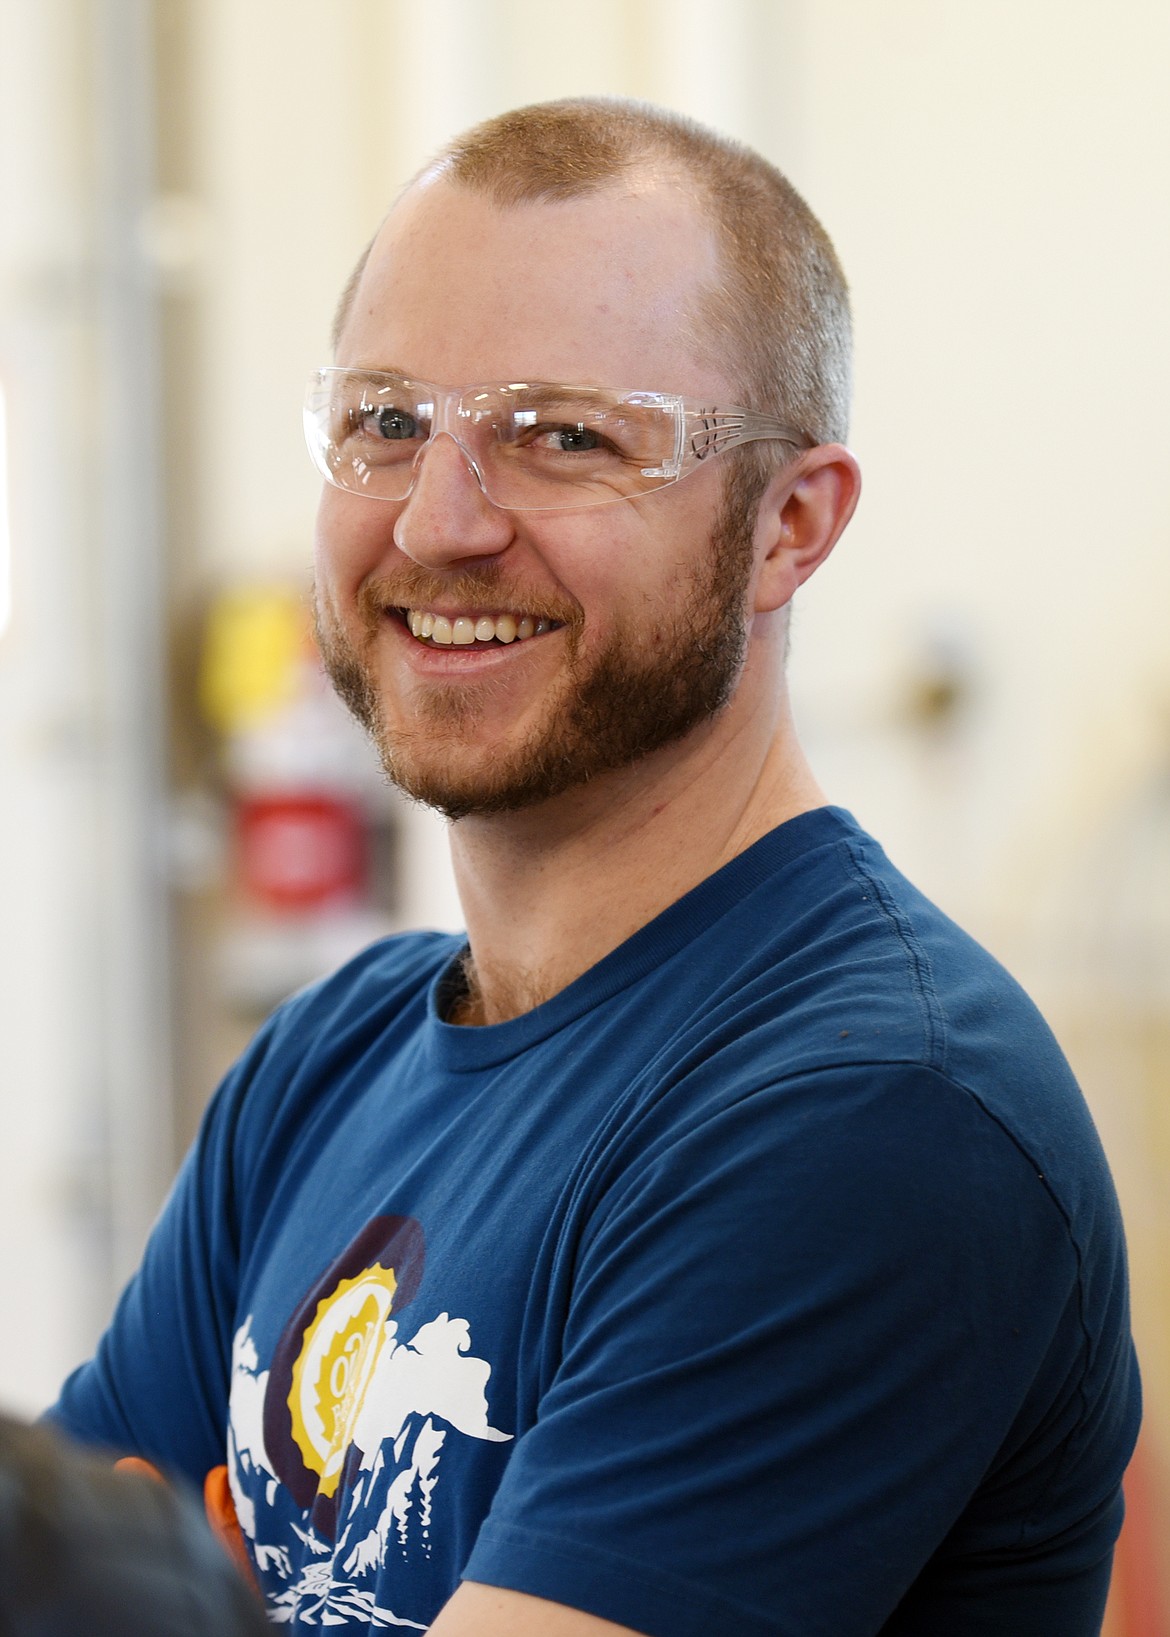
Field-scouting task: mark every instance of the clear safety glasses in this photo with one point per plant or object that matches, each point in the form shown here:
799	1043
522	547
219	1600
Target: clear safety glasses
532	446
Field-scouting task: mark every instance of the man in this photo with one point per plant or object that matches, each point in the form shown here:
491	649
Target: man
715	1240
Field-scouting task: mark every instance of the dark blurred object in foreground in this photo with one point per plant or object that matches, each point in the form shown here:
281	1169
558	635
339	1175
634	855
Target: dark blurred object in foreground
89	1552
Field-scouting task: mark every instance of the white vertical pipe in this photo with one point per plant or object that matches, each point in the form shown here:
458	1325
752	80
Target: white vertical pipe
131	610
53	1200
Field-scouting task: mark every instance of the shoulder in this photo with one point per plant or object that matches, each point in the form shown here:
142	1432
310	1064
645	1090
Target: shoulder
845	962
316	1047
948	1005
386	985
827	995
381	979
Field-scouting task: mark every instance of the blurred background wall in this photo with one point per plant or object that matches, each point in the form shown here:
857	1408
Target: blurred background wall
188	828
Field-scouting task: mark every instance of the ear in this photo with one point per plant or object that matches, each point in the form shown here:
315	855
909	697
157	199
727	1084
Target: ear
802	515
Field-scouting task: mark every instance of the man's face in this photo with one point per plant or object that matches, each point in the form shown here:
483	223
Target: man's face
637	609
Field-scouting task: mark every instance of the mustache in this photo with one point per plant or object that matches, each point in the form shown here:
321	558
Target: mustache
488	587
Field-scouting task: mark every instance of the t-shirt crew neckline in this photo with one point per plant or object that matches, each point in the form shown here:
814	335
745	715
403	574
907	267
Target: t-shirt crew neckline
468	1048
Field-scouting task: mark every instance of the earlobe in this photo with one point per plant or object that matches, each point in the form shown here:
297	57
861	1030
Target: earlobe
802	516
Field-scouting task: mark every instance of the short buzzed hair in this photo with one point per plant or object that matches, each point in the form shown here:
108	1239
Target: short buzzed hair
781	310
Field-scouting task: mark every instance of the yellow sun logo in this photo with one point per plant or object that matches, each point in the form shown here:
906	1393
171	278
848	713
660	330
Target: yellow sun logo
334	1368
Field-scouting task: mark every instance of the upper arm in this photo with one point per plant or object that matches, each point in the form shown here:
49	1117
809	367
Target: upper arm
477	1610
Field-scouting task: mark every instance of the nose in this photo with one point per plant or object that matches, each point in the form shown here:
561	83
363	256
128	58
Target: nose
446	518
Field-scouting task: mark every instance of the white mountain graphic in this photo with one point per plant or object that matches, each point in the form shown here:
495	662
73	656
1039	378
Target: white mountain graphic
420	1390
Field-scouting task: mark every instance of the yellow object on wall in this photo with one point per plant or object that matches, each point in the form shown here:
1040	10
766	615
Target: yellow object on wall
255	641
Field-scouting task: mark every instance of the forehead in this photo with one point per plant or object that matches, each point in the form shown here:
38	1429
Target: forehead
604	289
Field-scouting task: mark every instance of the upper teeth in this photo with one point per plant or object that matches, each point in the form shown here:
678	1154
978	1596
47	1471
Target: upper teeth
469	628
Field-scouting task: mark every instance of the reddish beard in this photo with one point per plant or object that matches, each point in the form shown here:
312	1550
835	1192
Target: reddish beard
603	713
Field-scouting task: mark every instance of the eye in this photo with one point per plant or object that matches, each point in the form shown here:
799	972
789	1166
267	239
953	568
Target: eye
605	436
574	440
390	423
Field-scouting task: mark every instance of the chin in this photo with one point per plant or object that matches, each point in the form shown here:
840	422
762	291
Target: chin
492	784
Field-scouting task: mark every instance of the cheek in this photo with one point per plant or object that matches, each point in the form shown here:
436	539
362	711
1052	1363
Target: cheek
605	558
351	537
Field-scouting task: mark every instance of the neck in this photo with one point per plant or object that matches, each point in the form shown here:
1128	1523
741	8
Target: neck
550	890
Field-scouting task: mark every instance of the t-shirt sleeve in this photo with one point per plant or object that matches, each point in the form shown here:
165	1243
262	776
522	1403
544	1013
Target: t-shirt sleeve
801	1331
158	1383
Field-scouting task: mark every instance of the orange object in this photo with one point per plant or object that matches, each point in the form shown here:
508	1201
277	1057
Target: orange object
1136	1605
135	1463
221	1514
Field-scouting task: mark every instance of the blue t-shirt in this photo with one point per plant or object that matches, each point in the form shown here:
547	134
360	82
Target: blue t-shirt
767	1279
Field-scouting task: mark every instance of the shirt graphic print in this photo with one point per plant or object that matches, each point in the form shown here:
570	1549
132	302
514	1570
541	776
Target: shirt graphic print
336	1450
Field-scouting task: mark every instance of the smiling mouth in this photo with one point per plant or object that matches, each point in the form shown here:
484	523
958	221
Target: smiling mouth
473	630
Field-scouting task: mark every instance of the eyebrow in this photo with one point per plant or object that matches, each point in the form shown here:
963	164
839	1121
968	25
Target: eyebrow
372	371
549	394
539	395
538	388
